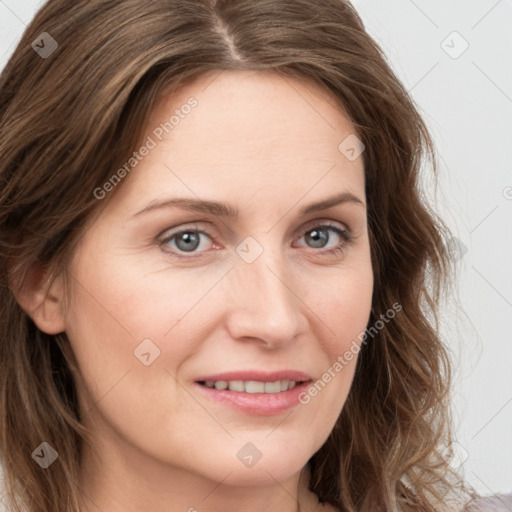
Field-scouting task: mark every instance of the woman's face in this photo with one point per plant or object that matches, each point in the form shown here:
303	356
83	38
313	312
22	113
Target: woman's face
173	294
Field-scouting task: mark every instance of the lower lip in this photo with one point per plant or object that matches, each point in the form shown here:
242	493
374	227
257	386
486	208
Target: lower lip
260	404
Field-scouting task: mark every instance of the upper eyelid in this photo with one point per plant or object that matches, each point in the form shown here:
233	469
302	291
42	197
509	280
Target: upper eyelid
303	227
299	232
323	222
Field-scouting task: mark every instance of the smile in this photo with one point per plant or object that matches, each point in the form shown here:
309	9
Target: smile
255	392
251	386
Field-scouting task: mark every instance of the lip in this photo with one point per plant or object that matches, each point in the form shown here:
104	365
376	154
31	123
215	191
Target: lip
257	404
258	375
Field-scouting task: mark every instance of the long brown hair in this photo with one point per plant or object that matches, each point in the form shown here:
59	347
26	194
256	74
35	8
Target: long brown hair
69	119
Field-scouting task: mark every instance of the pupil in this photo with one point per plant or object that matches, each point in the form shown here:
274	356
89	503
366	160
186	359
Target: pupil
191	241
318	237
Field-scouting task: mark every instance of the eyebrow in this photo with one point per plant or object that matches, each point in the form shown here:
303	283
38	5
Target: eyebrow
227	210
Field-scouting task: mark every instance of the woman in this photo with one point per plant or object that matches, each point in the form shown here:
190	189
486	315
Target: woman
219	276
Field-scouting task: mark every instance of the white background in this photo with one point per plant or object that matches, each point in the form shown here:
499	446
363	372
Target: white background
466	100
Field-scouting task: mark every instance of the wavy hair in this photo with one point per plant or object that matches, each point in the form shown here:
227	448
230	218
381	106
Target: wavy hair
68	120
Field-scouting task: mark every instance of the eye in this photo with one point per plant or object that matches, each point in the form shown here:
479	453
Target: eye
318	237
186	240
191	240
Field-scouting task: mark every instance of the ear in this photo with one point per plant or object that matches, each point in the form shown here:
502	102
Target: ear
44	303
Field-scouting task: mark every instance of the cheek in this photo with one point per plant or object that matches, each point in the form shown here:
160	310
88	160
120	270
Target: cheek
102	345
100	323
116	308
344	310
345	307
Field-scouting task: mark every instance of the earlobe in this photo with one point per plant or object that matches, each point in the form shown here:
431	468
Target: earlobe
41	299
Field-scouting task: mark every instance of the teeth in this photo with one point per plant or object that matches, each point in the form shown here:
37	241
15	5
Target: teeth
251	386
272	387
236	385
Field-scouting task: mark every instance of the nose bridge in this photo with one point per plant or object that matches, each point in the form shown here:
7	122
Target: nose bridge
264	305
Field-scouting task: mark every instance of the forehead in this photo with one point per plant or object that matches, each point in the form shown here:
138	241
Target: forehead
256	110
247	131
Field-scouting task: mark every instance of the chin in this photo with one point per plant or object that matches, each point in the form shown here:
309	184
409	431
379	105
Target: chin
256	464
263	473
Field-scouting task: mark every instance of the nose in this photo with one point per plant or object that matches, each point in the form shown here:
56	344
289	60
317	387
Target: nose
263	302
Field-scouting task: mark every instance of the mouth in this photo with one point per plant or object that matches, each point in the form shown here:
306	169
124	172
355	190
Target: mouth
250	386
255	393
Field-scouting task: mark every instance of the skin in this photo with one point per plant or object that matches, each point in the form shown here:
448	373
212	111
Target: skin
268	146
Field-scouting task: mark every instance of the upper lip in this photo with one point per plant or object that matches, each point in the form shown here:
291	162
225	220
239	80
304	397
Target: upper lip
259	376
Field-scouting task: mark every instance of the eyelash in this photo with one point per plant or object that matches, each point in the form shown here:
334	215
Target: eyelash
345	235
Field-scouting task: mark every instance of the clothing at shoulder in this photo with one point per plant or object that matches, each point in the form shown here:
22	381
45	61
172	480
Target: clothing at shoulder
497	503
